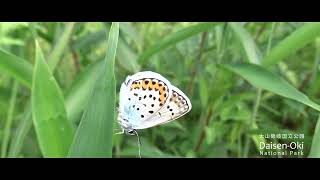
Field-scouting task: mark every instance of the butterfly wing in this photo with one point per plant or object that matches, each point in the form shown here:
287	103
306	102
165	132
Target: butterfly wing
142	96
177	106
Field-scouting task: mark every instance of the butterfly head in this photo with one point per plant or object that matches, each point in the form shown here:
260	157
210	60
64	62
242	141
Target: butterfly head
126	126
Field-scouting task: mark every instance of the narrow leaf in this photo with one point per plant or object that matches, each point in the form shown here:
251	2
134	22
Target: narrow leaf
315	147
252	52
60	46
8	124
78	94
54	131
16	67
23	128
94	134
174	38
262	78
298	39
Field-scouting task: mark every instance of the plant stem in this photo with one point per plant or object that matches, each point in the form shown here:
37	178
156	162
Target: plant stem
60	46
314	151
7	128
252	121
75	59
196	66
23	129
270	37
316	62
258	98
209	114
262	28
203	134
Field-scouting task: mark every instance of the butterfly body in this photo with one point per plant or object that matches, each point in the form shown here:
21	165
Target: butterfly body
148	99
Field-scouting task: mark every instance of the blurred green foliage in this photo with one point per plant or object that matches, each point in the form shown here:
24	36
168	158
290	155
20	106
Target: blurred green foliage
243	80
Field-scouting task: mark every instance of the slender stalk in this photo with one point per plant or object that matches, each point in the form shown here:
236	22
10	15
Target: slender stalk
202	133
7	128
60	46
194	70
23	129
314	151
206	121
258	99
262	28
252	121
316	62
270	37
240	143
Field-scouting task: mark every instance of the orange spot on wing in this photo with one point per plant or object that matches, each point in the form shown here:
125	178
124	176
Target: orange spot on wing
135	85
144	85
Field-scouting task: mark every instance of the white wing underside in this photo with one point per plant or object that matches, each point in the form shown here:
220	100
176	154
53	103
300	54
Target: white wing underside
143	108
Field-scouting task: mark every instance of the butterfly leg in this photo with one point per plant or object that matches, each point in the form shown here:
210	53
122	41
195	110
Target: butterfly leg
121	132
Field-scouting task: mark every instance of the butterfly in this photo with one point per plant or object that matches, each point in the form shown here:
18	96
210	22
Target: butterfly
147	99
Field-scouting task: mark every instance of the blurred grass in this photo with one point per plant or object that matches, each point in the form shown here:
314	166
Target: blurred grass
228	113
262	78
16	67
60	46
54	131
252	52
315	148
21	132
94	134
174	38
298	39
7	128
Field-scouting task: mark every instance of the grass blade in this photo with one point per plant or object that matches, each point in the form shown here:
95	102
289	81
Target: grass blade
60	46
78	94
298	39
92	38
126	57
7	129
54	131
16	67
315	147
94	134
174	38
75	98
24	127
250	47
264	79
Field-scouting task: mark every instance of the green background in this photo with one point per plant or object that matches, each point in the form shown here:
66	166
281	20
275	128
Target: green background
59	85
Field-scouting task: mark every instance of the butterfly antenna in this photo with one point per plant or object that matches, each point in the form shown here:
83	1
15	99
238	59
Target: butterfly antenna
139	143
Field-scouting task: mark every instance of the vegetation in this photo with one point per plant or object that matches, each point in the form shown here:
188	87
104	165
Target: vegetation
59	87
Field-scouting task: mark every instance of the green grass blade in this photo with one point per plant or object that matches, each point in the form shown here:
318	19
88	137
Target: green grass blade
252	52
298	39
54	131
175	38
315	147
92	38
16	67
264	79
7	129
60	46
94	134
129	30
126	57
78	94
23	128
